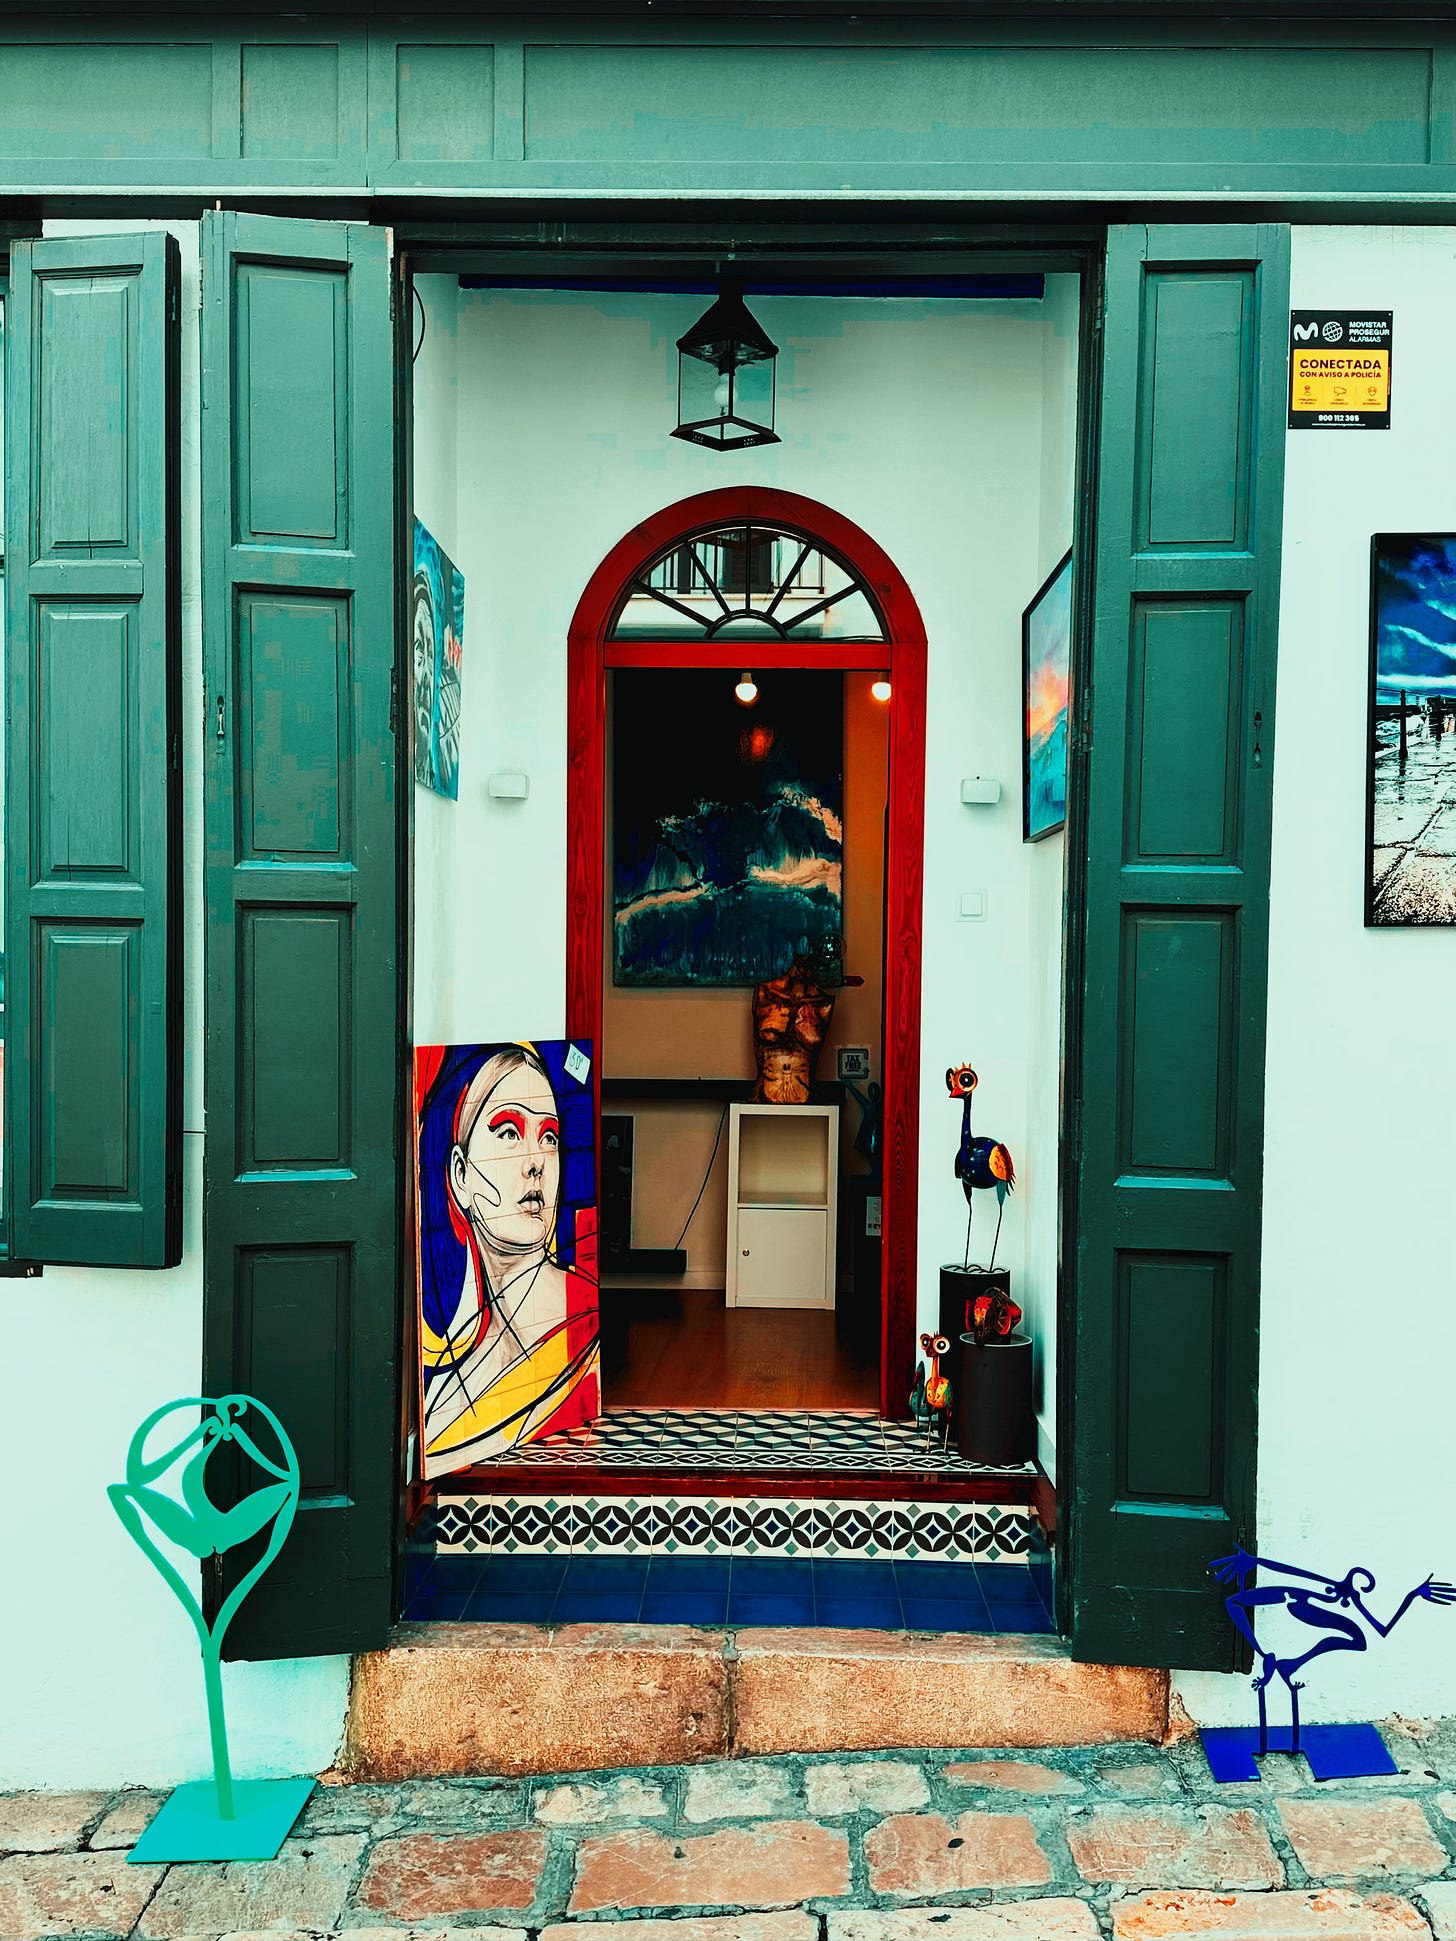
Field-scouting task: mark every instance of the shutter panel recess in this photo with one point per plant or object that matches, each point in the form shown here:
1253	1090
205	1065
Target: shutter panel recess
1167	1220
303	1204
92	916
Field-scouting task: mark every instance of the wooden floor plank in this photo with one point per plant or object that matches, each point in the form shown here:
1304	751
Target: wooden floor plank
689	1351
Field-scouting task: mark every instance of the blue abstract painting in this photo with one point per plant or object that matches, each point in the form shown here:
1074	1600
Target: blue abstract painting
1412	779
437	621
1046	661
727	825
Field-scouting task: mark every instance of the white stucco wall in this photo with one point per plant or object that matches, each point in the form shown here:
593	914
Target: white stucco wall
100	1681
1358	1332
931	424
1357	1431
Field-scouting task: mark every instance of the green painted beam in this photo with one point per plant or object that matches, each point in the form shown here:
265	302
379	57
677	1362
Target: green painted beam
1034	107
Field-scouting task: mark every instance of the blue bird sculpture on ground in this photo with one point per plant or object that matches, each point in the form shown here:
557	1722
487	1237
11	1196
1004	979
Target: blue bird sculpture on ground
981	1164
1326	1609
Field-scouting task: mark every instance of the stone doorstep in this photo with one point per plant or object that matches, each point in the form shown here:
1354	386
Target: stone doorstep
461	1699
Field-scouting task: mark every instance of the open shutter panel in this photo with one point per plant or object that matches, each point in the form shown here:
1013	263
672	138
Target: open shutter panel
302	1215
1167	1213
92	848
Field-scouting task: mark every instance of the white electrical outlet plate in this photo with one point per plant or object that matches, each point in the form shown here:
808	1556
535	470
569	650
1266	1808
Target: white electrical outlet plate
852	1061
973	906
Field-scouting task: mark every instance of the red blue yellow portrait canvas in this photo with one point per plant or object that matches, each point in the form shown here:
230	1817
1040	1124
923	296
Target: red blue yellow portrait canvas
507	1237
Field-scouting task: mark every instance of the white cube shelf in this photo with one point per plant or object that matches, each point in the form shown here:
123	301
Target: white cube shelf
783	1181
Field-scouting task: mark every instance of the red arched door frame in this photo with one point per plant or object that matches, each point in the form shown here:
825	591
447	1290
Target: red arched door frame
589	654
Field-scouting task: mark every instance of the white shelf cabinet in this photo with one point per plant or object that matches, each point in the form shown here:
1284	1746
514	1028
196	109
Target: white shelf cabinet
783	1180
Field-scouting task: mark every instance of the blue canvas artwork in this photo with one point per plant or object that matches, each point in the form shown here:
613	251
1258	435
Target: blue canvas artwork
1046	662
437	621
727	825
1411	807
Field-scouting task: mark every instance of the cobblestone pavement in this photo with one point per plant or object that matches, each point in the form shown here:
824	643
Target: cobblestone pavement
1124	1842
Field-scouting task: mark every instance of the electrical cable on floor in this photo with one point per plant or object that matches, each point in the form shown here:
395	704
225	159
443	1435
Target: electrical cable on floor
717	1139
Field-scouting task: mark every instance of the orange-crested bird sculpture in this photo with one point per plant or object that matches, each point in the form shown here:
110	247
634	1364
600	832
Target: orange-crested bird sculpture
931	1397
981	1163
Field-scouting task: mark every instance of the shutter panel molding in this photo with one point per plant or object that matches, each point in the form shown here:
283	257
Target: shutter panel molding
1166	1207
93	916
303	1208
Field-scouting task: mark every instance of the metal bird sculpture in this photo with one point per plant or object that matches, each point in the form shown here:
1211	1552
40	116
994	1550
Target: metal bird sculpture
1335	1608
932	1395
981	1163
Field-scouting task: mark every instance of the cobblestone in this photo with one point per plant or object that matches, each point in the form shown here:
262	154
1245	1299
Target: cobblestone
306	1886
1362	1839
46	1822
52	1893
1090	1843
921	1855
775	1863
1213	1846
424	1875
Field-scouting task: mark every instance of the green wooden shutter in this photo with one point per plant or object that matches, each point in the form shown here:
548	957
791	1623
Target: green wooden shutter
302	1214
92	916
1167	1204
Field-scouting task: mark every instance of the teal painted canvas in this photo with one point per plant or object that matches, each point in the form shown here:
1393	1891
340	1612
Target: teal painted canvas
437	624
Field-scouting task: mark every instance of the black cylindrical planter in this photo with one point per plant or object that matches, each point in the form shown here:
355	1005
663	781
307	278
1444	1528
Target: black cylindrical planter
994	1422
959	1286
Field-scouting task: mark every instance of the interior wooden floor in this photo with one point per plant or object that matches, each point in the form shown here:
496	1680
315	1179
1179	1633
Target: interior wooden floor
688	1351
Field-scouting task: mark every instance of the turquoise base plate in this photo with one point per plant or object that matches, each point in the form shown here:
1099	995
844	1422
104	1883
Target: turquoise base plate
188	1827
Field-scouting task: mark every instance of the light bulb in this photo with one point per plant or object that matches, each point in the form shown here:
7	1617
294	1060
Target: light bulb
881	688
723	394
747	689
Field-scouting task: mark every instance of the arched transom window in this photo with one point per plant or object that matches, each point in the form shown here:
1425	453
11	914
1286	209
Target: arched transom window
748	582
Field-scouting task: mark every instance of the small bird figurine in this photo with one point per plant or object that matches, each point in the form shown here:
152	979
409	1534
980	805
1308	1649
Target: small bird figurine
931	1397
981	1163
991	1317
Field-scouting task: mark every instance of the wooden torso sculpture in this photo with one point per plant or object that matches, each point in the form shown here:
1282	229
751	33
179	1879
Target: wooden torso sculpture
790	1023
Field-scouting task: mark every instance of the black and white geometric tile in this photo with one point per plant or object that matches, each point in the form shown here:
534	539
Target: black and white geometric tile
759	1439
691	1526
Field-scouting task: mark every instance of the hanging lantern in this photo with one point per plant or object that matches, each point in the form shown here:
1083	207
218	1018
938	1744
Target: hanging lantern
725	379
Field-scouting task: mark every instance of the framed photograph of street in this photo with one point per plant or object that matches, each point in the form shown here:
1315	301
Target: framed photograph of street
1410	850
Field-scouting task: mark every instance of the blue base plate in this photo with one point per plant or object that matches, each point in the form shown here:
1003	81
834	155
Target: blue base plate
188	1828
1333	1751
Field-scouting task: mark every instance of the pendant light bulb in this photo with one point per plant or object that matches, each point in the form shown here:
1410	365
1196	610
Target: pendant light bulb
880	688
747	689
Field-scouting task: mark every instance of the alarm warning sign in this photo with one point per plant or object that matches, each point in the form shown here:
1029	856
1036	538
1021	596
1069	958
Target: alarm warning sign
1339	370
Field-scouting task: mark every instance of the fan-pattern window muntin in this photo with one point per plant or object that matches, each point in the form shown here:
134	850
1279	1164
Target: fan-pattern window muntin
749	582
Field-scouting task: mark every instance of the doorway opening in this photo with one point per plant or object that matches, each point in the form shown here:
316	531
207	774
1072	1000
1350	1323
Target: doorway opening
738	867
777	1428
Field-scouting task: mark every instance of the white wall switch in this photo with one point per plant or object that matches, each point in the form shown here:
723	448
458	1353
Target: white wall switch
509	788
979	791
973	906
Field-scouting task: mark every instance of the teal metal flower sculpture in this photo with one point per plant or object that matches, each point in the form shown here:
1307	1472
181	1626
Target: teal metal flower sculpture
225	1820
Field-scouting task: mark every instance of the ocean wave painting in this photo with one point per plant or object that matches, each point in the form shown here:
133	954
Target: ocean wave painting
727	825
1412	780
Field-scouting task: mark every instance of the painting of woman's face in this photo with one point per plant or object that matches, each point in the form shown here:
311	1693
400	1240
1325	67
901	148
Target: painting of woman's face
507	1176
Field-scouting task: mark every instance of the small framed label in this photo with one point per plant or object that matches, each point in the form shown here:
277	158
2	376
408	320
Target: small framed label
873	1204
853	1061
1339	370
577	1064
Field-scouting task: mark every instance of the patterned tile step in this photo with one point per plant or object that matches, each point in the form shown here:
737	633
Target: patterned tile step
757	1439
686	1526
